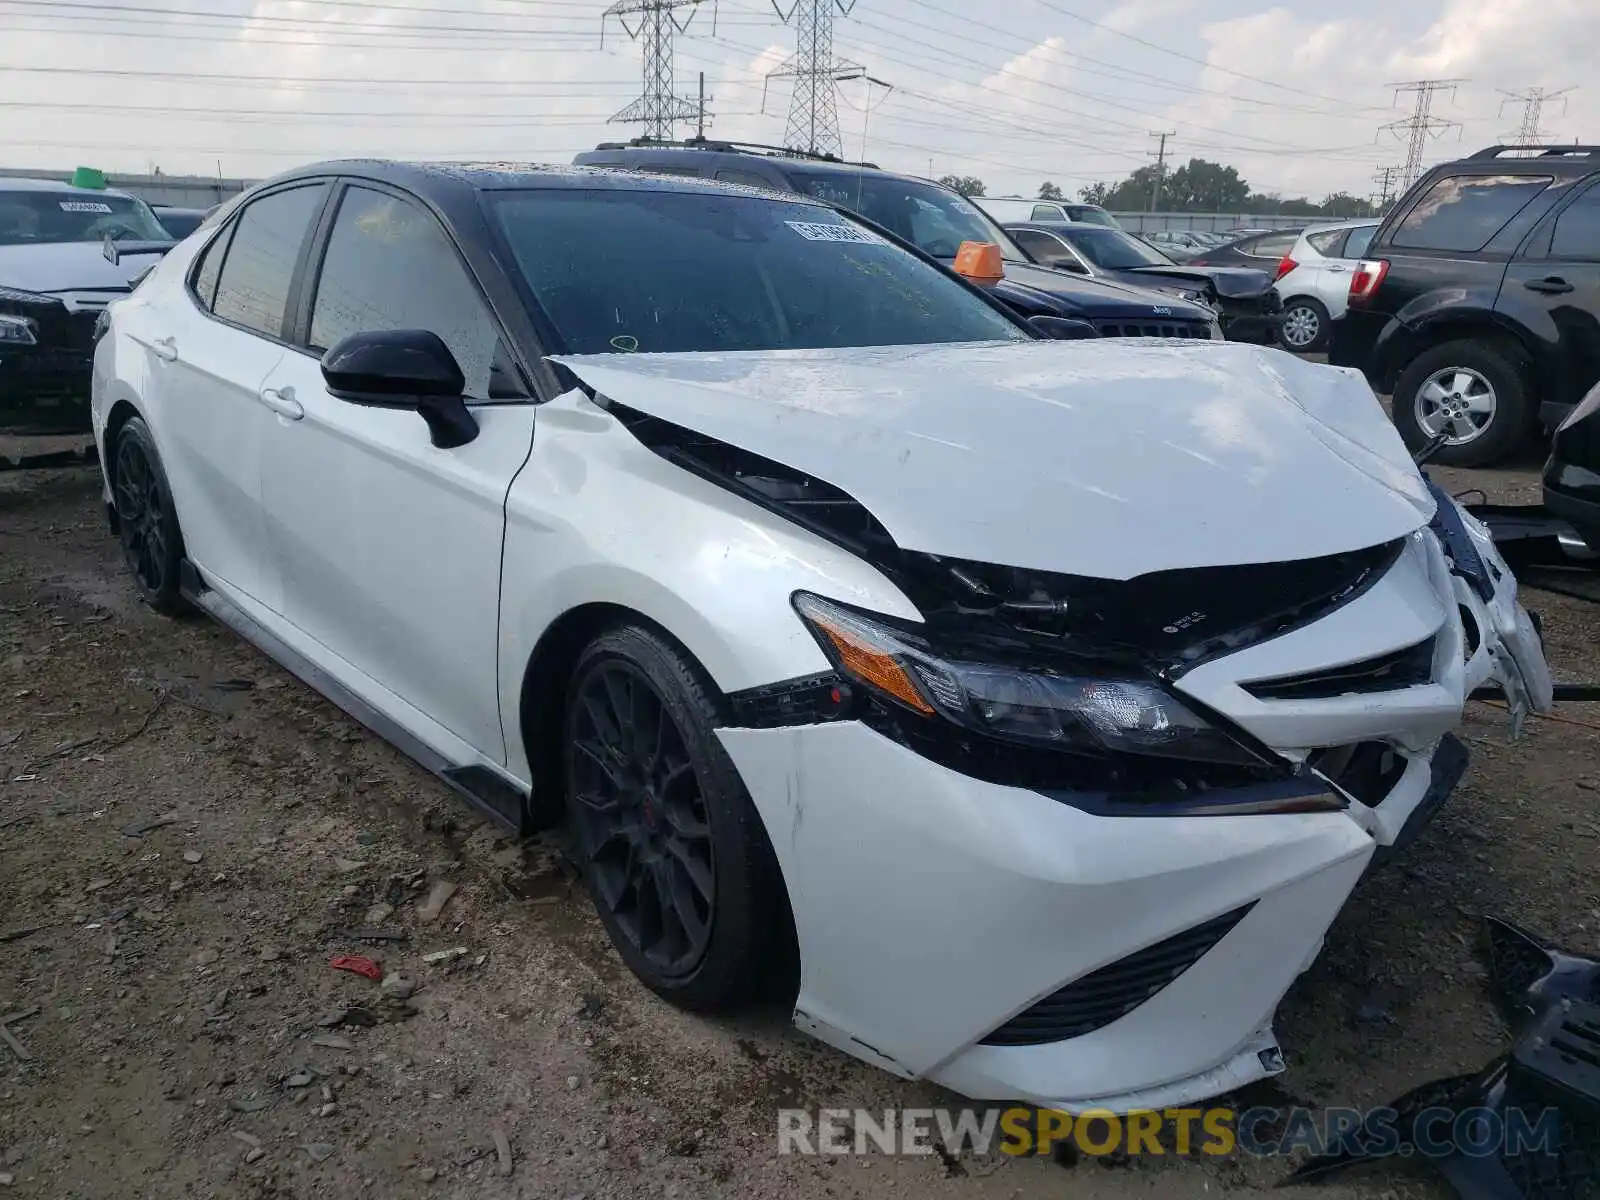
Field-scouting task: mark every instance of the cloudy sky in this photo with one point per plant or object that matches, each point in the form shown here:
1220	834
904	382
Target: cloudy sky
1013	91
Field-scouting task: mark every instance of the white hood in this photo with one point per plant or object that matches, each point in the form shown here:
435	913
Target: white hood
1103	458
51	268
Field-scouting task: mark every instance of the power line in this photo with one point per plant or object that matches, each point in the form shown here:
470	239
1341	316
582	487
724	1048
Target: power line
1533	101
658	106
1422	124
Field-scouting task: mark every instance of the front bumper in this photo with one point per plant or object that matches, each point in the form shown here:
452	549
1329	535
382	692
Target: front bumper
938	915
1256	320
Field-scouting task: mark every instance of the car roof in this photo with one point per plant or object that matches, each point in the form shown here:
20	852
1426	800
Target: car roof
434	179
734	157
1352	223
57	186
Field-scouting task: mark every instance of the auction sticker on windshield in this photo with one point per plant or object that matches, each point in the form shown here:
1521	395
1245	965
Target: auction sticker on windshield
834	233
85	206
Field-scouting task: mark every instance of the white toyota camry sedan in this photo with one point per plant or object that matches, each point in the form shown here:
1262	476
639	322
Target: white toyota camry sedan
1028	706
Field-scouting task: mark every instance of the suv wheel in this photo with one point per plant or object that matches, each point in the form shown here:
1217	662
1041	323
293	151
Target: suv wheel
1305	326
1471	393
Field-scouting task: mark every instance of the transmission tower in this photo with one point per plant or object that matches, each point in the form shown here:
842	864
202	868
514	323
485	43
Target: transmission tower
1533	101
657	106
814	110
1422	124
1385	178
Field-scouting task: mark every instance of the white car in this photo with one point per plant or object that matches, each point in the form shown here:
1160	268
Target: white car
1006	209
1036	703
1314	281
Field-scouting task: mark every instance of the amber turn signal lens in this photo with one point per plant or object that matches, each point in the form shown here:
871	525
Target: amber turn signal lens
874	667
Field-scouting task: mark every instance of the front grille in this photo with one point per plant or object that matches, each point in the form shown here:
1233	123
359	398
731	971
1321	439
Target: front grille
1408	667
1153	329
1112	992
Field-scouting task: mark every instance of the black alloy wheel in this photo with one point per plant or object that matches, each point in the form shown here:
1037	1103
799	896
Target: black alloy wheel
672	848
641	818
147	526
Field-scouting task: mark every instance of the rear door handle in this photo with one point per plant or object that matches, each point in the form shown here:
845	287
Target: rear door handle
166	349
1550	285
282	402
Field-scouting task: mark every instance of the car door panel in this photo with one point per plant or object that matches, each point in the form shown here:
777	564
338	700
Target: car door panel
389	547
1554	290
212	357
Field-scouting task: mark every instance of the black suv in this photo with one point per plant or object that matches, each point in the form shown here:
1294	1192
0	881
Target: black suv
926	216
1478	305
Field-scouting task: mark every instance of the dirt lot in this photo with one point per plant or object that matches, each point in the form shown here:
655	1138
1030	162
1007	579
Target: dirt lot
186	830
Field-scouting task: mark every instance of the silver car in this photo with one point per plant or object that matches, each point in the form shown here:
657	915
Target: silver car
1314	281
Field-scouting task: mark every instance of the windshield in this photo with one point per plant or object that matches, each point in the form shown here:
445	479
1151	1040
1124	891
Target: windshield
932	219
1088	214
30	217
658	272
1113	250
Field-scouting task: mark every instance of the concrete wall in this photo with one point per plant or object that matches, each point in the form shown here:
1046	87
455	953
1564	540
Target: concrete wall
1213	222
180	191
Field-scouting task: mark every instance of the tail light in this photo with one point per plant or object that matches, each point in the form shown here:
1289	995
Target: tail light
1285	265
1367	279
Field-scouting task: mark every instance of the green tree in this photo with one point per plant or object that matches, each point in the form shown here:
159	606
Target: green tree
967	185
1203	186
1050	191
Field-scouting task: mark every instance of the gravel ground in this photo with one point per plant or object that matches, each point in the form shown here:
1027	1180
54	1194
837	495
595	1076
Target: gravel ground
188	830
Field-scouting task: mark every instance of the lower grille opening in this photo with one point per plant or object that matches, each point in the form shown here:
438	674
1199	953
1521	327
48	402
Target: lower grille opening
1369	771
1409	667
1115	990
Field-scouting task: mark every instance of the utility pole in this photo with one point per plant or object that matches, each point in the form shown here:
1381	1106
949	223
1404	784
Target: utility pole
657	107
700	125
1422	124
1533	101
1161	165
1385	178
814	108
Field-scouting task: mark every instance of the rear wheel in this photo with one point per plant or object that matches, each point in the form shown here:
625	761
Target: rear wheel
1305	326
147	523
1473	393
673	851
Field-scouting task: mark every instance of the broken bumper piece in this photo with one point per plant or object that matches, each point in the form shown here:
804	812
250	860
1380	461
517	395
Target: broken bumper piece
943	923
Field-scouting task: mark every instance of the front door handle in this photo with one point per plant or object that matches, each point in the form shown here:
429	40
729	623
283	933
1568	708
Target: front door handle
1550	285
282	402
166	349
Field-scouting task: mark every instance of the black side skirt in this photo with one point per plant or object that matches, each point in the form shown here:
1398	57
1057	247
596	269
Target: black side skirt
487	792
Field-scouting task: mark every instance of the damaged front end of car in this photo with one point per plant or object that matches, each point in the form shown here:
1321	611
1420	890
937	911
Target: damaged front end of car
1131	797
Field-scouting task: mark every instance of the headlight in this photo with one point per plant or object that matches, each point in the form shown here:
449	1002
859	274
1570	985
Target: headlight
1066	712
18	296
17	331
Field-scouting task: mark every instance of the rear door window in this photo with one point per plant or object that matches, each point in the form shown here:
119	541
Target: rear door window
1462	213
253	290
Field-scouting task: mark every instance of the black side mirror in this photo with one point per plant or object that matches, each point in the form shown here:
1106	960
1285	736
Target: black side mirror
1062	329
403	368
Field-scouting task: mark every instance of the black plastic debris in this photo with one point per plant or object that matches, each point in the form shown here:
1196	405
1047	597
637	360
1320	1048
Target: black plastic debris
1527	1127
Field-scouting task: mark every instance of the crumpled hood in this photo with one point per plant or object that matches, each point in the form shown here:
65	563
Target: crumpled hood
1231	283
1109	458
53	267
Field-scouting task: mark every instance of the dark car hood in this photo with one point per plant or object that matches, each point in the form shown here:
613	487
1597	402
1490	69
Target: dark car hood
1041	290
1232	283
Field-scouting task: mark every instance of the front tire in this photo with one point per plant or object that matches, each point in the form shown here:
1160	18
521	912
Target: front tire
1473	392
147	522
672	849
1305	327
